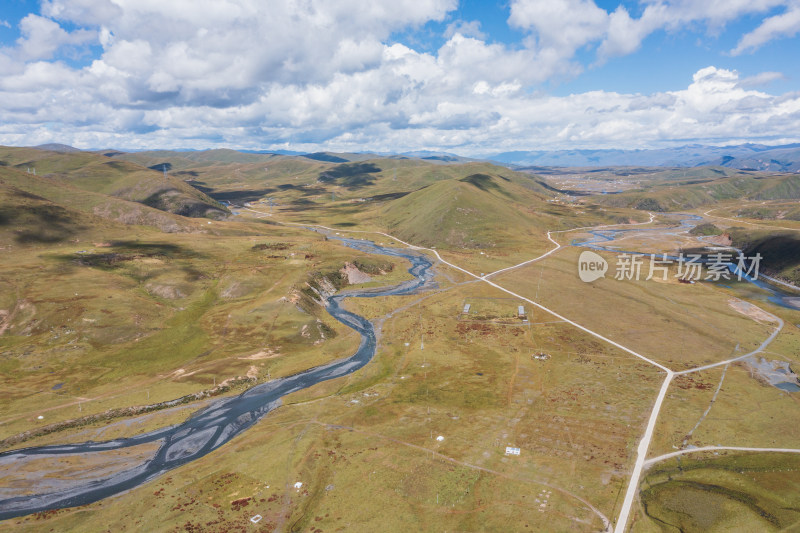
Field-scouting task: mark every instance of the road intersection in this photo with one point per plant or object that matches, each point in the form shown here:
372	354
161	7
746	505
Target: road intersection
641	462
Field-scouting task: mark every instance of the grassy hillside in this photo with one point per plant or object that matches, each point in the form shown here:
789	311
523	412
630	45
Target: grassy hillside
780	251
772	211
99	174
28	218
227	175
177	160
475	211
472	205
67	196
482	211
466	207
718	185
106	303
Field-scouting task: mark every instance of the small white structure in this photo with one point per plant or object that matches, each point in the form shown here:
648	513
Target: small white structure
40	417
440	438
256	519
298	484
466	309
521	311
510	450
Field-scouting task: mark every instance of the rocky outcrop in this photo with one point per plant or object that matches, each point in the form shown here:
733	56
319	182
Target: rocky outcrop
354	275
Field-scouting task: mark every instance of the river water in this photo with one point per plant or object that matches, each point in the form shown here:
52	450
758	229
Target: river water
212	427
602	238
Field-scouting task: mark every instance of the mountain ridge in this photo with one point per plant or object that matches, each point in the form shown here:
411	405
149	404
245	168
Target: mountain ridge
749	156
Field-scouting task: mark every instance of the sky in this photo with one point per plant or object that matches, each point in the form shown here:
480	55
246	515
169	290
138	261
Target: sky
468	77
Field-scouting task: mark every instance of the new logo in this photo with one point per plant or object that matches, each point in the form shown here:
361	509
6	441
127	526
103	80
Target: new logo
591	266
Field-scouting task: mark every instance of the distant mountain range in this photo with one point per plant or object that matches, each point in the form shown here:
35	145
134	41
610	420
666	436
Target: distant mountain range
784	158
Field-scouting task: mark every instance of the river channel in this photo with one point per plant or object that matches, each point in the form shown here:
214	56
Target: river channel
215	425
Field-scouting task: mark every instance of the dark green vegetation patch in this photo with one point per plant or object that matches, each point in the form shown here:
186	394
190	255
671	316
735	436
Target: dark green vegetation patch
753	492
706	229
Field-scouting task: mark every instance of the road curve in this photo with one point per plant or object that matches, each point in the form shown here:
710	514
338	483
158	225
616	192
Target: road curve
666	456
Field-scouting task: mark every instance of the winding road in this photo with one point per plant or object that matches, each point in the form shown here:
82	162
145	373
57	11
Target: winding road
212	427
607	234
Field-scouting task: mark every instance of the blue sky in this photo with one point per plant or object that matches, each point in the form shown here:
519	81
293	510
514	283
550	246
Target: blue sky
468	76
667	59
664	62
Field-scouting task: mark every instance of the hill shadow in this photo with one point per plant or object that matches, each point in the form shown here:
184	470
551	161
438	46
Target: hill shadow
43	224
235	196
482	181
121	252
328	158
779	252
485	183
351	175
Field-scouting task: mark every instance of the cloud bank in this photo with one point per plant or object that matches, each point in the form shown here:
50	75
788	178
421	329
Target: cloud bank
331	75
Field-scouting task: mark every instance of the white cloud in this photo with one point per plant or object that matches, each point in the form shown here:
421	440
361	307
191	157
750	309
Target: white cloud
5	23
467	29
714	12
323	74
95	12
624	34
762	78
564	25
784	25
568	25
41	37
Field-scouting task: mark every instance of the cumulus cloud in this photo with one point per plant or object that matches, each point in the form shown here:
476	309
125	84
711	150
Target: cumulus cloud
327	75
41	37
564	25
568	25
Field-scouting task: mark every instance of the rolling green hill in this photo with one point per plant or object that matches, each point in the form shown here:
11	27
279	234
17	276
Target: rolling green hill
484	211
471	212
27	218
713	185
772	211
459	205
779	250
24	193
122	179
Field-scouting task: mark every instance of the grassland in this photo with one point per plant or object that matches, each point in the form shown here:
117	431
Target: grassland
115	315
678	325
462	209
766	228
669	191
747	410
98	174
371	437
107	302
721	492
